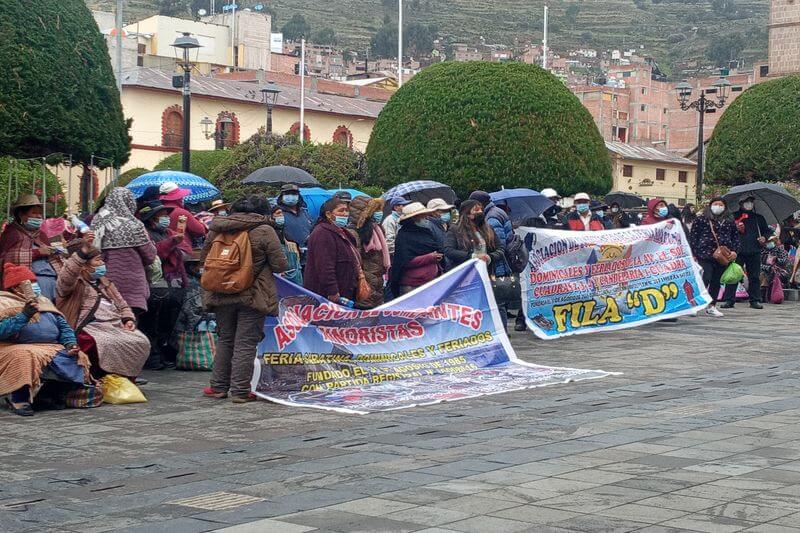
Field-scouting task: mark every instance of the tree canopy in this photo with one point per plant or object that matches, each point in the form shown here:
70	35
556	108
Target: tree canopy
482	125
58	92
417	39
297	28
325	36
757	138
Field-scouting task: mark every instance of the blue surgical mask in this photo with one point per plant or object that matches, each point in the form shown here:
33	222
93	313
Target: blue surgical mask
33	223
396	215
99	272
601	214
341	221
37	291
424	223
663	212
291	199
770	245
377	216
222	213
280	221
163	222
582	208
446	217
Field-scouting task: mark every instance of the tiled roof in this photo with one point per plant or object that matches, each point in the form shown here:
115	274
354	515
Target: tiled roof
646	153
249	92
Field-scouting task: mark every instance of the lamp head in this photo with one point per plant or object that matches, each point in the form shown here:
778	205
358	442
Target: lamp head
269	93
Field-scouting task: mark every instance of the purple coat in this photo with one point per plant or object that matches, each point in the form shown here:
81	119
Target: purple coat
126	269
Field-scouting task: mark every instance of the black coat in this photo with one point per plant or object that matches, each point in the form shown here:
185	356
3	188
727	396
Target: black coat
755	226
457	254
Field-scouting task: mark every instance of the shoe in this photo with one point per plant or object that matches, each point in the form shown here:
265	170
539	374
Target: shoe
139	381
726	305
756	305
520	326
208	392
244	399
24	409
712	310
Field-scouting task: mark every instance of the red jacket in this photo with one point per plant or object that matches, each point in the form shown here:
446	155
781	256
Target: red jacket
331	263
574	223
651	217
194	228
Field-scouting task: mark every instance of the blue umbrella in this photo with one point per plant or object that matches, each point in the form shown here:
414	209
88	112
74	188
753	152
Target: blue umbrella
314	197
522	203
202	190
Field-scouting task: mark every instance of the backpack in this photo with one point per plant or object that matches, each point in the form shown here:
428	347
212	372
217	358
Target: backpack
516	254
228	268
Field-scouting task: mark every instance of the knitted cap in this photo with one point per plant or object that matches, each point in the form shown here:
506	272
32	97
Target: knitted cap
13	275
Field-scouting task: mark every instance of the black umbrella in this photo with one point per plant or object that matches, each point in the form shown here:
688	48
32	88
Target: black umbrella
280	175
626	200
772	201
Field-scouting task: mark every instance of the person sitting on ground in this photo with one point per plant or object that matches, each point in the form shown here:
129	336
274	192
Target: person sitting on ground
582	218
657	211
365	218
290	249
36	342
619	218
775	262
173	196
418	254
104	322
240	316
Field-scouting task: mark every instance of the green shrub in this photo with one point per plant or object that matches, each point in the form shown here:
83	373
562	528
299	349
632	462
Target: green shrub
23	174
124	179
201	162
482	125
758	136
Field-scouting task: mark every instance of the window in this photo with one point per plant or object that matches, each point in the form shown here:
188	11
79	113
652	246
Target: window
681	202
763	71
644	90
666	110
643	107
622	115
661	174
683	176
343	136
626	74
619	134
296	128
627	171
172	127
736	89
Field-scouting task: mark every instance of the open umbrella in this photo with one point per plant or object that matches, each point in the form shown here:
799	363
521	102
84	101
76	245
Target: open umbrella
202	190
422	191
522	203
279	175
626	200
314	197
772	201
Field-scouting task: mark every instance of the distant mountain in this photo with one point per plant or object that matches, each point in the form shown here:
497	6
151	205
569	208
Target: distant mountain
672	31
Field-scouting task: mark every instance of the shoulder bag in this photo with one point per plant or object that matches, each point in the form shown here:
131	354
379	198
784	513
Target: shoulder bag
722	254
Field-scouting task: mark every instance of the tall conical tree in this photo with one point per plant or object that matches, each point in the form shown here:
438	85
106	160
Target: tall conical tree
57	91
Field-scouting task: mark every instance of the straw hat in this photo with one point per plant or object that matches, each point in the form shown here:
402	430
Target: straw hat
437	204
216	205
26	200
413	209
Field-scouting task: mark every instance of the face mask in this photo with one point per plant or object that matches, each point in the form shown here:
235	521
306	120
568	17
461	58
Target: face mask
163	222
748	206
478	220
717	209
446	217
99	272
663	212
601	214
341	221
395	214
582	208
37	291
422	223
377	216
33	223
615	209
280	221
222	213
770	245
291	199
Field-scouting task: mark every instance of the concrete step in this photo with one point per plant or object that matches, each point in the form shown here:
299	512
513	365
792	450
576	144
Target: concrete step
791	295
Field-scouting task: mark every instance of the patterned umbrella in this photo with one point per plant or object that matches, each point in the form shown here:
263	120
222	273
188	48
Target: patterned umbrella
202	190
422	191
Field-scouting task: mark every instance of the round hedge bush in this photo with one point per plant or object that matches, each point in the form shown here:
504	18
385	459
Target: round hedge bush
481	125
758	136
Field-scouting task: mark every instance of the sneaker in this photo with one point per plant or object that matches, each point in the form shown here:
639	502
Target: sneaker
208	392
756	305
712	310
726	305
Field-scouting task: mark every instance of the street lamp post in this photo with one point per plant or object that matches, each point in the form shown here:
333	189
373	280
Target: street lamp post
269	95
184	45
702	105
220	135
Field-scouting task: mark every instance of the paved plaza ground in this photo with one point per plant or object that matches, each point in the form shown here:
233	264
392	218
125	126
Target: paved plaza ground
701	432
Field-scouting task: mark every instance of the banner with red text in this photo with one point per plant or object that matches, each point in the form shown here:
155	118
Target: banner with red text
443	341
582	282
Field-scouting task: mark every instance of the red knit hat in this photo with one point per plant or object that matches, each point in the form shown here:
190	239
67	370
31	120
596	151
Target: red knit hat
13	275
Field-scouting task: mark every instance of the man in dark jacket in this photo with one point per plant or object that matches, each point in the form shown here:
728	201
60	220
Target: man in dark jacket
753	234
298	223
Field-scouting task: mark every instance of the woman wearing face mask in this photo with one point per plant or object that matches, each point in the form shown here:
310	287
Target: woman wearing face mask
290	249
332	262
166	295
298	223
582	219
38	347
366	215
711	229
22	243
657	211
418	254
103	320
619	218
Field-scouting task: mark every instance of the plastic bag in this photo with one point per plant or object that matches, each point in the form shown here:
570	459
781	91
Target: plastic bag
776	291
118	390
733	274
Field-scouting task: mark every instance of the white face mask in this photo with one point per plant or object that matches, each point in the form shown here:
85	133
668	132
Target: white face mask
748	206
717	209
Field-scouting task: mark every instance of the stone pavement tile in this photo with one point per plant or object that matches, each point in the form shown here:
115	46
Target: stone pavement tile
342	521
420	478
771	528
663	529
371	506
100	524
267	525
559	485
698	453
724	468
749	483
714	492
774	474
793	490
475	504
665	461
484	524
534	514
653	484
695	478
518	494
418	495
504	477
595	476
794	466
545	468
642	513
460	486
596	499
744	510
178	525
600	524
428	515
679	503
792	520
434	530
710	524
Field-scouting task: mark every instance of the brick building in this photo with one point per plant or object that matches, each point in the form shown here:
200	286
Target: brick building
784	37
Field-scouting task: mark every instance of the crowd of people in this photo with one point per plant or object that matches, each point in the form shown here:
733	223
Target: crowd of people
108	294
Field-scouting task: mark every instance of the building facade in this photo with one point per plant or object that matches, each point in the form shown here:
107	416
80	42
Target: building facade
784	37
653	173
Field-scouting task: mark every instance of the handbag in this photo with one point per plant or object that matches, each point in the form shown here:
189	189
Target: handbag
363	289
87	396
776	290
506	290
722	254
197	349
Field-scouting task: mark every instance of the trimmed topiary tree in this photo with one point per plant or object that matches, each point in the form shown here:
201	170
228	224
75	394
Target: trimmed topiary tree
758	136
482	125
201	162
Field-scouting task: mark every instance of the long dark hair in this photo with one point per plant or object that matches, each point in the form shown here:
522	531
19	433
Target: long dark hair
327	207
465	228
